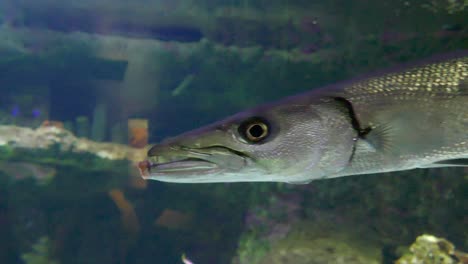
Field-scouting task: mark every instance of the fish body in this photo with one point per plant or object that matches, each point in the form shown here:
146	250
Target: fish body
412	116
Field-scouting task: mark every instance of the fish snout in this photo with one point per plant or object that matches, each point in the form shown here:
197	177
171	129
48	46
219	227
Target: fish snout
158	149
163	153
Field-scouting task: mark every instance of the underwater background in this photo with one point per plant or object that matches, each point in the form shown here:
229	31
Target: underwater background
86	86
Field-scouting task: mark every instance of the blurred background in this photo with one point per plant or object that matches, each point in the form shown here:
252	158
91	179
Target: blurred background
130	73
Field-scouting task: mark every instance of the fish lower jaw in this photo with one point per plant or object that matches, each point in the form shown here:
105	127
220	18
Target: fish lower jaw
183	170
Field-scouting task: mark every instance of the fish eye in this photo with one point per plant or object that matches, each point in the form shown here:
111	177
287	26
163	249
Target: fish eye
254	130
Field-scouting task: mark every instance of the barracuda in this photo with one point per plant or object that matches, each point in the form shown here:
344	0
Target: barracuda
412	116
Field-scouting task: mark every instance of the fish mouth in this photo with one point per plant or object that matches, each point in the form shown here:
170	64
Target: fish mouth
170	171
188	165
180	162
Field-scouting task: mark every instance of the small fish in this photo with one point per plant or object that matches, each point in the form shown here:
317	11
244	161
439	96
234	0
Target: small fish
185	260
413	116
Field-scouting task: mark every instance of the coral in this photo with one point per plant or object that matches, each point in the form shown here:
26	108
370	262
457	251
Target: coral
17	142
138	132
428	249
251	249
41	253
51	123
130	222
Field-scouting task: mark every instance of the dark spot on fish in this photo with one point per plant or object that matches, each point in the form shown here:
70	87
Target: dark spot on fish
362	132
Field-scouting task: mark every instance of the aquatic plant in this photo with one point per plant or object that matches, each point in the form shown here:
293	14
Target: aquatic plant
266	222
41	253
251	249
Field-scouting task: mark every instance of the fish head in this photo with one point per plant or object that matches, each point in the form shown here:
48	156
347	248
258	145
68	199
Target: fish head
285	143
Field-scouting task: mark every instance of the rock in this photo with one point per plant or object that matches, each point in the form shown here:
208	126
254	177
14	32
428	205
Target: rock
319	243
306	247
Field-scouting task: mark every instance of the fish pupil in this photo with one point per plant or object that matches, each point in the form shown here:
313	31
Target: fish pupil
256	131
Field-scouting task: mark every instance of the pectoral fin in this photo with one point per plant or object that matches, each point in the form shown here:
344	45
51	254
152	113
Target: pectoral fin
448	163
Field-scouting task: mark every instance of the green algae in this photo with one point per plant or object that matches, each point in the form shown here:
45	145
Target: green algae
251	249
312	243
41	253
386	210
